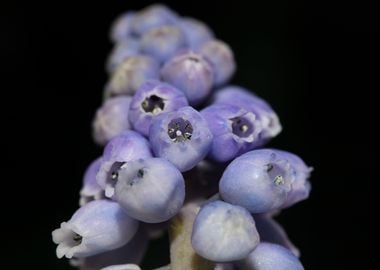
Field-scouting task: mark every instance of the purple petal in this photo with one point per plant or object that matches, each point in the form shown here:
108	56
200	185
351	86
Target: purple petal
121	27
132	252
152	99
130	74
162	42
94	228
235	131
126	147
191	74
221	57
268	256
153	16
238	96
111	119
224	232
196	32
182	137
91	190
127	47
271	231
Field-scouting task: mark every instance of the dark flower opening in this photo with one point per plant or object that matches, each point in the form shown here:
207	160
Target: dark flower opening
89	198
114	173
276	173
153	104
180	130
193	59
77	238
140	173
241	126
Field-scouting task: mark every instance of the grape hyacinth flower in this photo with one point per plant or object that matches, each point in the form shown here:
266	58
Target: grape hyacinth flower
221	57
162	42
224	232
182	137
196	175
195	31
151	17
131	73
191	73
262	181
111	119
91	190
152	99
96	227
126	147
238	96
132	252
271	231
150	190
125	48
235	131
268	256
301	186
121	27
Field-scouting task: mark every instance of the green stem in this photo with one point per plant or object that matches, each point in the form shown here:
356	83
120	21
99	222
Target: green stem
182	255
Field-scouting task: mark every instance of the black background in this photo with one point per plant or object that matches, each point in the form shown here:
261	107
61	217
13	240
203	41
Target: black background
315	63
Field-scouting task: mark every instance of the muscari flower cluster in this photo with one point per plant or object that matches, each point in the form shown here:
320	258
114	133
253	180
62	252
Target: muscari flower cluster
170	123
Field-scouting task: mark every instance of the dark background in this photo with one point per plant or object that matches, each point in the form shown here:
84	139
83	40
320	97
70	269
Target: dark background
315	63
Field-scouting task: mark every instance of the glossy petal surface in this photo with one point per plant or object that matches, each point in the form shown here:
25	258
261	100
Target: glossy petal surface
127	146
131	74
235	131
94	228
268	256
150	190
111	119
241	97
224	232
259	180
190	73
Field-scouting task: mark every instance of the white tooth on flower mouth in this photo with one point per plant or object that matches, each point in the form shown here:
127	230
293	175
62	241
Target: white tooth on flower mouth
67	239
96	227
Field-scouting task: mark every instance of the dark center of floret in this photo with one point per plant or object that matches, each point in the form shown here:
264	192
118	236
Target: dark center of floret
271	122
193	59
241	126
114	173
180	130
275	173
77	238
153	104
140	173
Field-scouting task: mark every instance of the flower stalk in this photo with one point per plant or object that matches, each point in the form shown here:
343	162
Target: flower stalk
182	255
